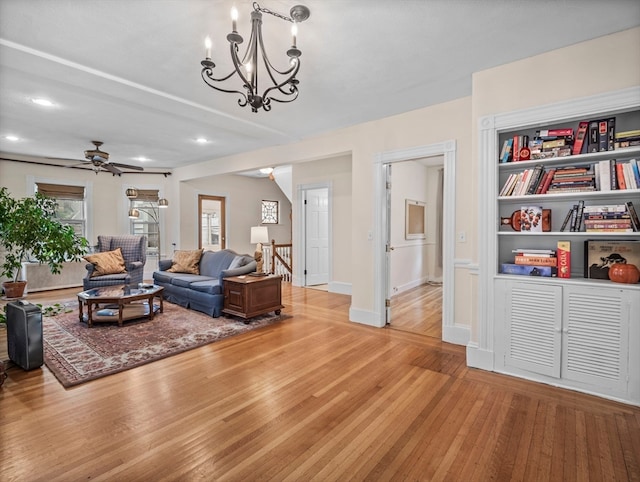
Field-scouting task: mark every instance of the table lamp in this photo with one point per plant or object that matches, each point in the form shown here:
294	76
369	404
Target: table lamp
259	235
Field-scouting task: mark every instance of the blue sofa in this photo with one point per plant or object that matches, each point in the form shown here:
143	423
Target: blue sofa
203	292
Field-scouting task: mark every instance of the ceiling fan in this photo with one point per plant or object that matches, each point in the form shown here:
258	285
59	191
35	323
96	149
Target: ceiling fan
100	160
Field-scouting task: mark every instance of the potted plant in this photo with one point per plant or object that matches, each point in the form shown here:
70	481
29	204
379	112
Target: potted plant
29	230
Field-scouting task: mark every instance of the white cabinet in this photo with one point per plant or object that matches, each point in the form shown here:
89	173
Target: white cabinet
570	335
577	333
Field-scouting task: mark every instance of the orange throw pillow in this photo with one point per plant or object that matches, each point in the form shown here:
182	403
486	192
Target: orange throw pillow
107	262
186	262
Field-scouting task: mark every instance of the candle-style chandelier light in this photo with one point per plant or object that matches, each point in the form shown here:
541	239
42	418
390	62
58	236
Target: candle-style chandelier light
283	86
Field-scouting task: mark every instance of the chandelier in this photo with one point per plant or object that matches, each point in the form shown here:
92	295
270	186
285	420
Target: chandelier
283	86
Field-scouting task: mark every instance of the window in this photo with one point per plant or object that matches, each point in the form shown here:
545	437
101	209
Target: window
269	212
148	221
71	204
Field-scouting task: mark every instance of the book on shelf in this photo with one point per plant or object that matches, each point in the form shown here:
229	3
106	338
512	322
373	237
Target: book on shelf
528	270
611	134
554	133
515	149
577	222
564	259
636	171
620	176
569	216
633	215
629	176
603	135
536	176
536	260
593	140
628	134
601	254
547	181
534	252
608	208
505	154
579	146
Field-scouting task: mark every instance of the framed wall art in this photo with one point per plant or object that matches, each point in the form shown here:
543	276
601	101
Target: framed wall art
415	219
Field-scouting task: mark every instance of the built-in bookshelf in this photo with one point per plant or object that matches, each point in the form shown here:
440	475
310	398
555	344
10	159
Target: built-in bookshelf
560	204
575	331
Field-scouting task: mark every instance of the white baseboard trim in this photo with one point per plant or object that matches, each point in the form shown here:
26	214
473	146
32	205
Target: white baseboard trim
410	285
340	287
458	335
366	317
478	358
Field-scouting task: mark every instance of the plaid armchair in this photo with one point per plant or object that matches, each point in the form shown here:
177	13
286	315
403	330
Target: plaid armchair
134	252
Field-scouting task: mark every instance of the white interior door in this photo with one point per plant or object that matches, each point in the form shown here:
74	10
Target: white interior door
316	236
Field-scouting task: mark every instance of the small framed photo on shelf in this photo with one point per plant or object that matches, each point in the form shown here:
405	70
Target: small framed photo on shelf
531	219
601	254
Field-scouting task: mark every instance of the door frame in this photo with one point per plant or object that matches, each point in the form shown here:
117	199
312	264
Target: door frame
223	219
451	332
299	255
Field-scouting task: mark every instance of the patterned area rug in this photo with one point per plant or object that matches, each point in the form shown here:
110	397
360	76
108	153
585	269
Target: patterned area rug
77	354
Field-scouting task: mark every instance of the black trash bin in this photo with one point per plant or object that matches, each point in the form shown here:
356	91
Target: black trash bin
24	334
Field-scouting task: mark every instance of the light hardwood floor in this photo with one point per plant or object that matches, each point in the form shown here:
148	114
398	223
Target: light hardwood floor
418	310
314	397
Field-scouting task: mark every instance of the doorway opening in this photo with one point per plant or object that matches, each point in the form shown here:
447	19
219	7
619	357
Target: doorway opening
415	214
447	150
211	228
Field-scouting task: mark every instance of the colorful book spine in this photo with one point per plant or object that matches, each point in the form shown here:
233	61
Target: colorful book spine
528	270
536	260
564	259
580	138
603	135
634	215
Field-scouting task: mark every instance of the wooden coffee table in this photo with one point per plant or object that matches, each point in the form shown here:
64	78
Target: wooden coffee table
119	303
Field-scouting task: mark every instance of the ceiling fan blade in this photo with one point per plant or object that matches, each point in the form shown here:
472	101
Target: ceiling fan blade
111	168
127	166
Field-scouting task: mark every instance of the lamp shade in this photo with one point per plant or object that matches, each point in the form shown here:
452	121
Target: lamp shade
163	203
259	234
132	193
134	213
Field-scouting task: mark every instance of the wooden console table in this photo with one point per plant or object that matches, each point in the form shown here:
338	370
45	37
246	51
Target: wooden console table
249	296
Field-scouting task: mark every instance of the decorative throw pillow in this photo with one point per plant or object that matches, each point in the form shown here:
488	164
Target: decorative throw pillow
107	262
237	262
186	261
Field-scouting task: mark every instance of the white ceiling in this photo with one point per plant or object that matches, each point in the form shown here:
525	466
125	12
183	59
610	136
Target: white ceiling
127	72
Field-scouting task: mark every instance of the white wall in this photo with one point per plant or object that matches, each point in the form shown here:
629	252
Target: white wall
409	258
243	196
337	172
439	123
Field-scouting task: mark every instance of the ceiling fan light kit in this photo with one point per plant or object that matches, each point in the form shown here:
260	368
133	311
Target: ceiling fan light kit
284	85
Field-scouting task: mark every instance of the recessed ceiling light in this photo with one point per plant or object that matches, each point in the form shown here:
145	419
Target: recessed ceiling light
266	170
201	140
43	102
141	159
12	138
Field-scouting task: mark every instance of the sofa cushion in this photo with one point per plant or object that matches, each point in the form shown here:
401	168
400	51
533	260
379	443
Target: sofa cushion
184	280
214	262
108	262
212	287
186	261
237	262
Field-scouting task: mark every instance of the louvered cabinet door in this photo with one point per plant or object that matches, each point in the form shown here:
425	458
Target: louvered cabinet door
533	327
595	344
